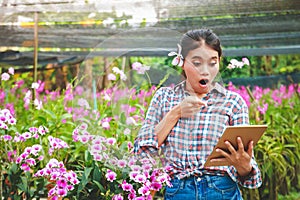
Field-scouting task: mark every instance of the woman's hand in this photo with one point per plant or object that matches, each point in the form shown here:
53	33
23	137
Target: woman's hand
239	158
190	106
187	108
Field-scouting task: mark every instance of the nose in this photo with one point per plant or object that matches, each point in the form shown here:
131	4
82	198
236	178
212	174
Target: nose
203	70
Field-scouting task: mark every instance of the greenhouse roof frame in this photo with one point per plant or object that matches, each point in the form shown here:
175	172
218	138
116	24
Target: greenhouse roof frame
117	27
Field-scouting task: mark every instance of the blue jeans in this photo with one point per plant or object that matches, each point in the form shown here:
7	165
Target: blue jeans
206	187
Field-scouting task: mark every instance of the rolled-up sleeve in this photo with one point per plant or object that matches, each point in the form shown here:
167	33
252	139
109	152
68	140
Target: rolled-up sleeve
146	141
252	180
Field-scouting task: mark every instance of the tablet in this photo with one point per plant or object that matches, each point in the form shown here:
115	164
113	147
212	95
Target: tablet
246	132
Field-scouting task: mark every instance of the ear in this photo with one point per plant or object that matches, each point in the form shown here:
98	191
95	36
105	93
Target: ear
183	63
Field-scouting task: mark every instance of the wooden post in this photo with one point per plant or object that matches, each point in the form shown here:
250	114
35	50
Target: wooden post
35	55
88	75
106	71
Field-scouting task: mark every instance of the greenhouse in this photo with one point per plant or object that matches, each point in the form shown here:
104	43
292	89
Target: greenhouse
83	107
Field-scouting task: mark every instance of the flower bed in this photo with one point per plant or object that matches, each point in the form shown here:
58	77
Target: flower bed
78	145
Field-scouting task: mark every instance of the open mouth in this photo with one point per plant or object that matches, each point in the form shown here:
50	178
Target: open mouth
203	81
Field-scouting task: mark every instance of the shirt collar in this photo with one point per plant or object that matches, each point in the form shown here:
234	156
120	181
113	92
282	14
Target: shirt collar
180	87
219	88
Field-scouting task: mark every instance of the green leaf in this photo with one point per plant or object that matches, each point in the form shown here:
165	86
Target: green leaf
21	187
84	181
87	171
14	168
82	119
66	116
42	120
17	197
123	118
87	156
80	187
123	146
52	114
102	189
24	185
96	174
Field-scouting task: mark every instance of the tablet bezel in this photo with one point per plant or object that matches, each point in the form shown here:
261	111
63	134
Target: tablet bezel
246	132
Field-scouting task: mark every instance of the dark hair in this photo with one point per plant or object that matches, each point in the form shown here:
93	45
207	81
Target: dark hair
193	39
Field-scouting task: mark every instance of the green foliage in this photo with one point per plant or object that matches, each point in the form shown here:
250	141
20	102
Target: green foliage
262	66
291	196
277	150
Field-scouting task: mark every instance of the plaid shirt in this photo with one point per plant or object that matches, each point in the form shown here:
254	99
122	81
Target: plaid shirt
192	139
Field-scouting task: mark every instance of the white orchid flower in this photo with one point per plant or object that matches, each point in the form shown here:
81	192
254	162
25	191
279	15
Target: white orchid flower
246	61
178	60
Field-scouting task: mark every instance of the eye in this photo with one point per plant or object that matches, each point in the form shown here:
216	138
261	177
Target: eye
196	63
213	64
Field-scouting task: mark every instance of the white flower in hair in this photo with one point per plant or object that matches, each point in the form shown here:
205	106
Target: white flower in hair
178	60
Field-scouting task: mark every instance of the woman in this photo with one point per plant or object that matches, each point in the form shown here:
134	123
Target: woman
184	124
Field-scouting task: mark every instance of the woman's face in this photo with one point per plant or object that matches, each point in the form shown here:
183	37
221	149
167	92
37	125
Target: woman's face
201	66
